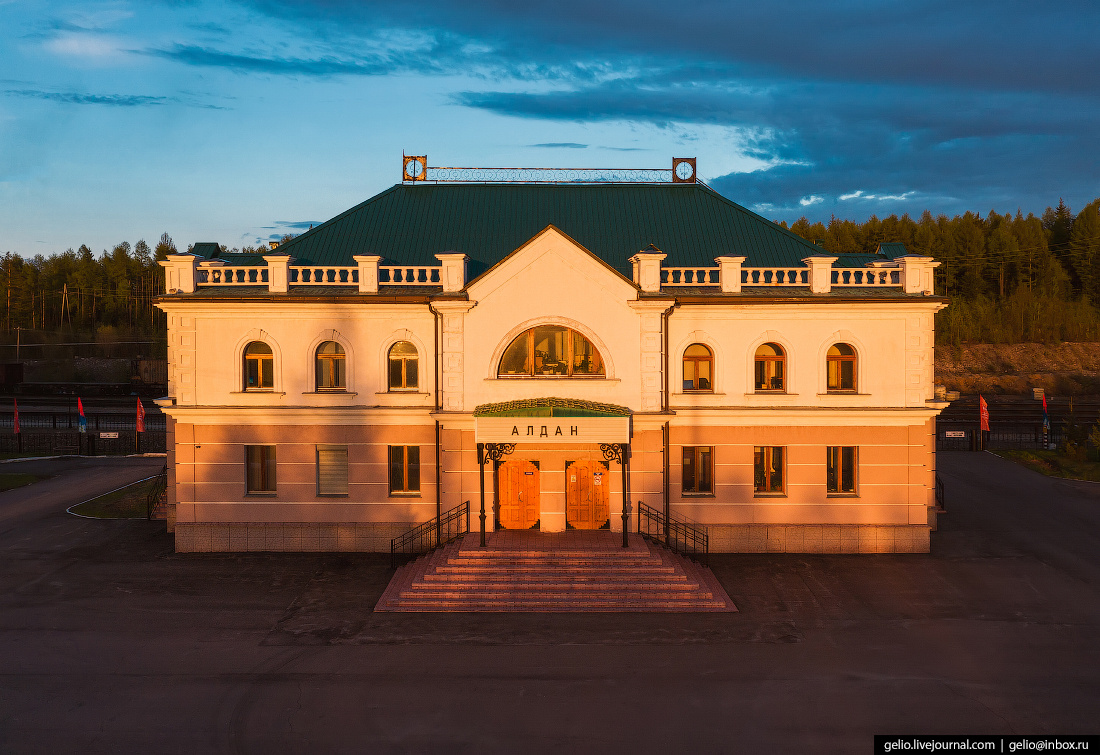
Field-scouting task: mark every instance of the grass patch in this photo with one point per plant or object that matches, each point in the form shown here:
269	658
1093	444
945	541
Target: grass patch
130	502
10	480
1054	464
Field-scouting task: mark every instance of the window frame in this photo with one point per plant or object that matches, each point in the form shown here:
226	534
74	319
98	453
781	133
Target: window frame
404	361
839	360
569	352
696	454
695	361
768	452
259	359
267	484
329	447
834	456
766	360
341	358
404	489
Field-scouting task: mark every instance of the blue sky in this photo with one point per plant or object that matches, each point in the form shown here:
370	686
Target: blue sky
240	121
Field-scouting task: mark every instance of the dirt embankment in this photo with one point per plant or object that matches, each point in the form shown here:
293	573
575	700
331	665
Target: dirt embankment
1065	369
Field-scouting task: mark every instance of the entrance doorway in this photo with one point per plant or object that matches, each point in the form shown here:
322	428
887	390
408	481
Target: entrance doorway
586	486
519	494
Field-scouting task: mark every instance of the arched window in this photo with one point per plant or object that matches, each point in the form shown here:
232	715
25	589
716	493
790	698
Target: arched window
403	367
698	368
330	367
841	365
551	351
770	362
259	367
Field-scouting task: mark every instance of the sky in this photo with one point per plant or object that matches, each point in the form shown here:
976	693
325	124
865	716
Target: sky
238	121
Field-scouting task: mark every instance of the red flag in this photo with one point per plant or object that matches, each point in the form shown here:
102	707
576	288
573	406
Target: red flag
16	416
140	417
983	410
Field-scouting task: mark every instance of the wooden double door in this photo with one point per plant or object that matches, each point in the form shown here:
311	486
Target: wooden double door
586	494
519	494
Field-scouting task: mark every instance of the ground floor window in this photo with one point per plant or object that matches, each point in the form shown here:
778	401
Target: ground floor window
698	469
260	469
768	469
841	474
332	470
404	469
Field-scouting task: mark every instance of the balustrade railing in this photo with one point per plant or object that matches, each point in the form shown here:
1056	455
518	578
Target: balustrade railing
405	275
232	276
775	276
676	532
862	276
323	275
437	531
690	276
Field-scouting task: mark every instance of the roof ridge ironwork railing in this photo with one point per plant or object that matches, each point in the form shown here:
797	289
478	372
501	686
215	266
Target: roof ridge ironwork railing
549	175
323	275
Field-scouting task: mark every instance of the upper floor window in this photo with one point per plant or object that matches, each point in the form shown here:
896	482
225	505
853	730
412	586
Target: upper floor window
551	351
259	366
841	364
330	367
698	368
770	364
403	367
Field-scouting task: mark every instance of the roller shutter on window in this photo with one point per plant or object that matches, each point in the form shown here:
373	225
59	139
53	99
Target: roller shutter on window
332	470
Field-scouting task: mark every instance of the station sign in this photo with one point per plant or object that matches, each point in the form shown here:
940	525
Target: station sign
572	430
955	434
106	436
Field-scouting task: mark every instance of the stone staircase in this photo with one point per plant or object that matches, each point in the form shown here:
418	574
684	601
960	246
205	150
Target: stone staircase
554	572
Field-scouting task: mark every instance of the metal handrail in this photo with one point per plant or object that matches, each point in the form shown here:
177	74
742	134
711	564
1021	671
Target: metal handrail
159	485
437	531
676	533
941	495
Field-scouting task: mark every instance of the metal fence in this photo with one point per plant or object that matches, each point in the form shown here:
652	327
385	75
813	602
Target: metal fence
49	433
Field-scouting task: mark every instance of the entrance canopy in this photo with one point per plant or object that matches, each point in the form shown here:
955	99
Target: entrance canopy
551	420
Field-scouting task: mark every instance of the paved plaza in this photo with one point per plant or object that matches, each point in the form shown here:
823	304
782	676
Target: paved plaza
112	643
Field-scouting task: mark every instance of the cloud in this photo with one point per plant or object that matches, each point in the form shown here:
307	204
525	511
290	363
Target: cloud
79	98
811	200
560	145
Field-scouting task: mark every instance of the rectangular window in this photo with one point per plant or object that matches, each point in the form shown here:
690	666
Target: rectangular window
259	469
840	477
698	469
404	469
332	470
768	469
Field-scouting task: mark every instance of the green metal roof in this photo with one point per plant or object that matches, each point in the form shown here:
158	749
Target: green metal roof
409	224
551	407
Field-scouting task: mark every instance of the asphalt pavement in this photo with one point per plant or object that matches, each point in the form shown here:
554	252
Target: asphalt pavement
110	642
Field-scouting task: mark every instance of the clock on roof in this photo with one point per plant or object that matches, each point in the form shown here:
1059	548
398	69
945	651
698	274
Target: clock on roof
414	168
683	170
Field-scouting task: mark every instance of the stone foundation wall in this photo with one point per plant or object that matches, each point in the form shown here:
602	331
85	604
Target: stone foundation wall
371	537
818	538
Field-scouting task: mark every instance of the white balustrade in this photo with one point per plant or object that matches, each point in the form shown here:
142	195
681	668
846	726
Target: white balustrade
232	276
690	276
775	276
323	275
863	276
405	275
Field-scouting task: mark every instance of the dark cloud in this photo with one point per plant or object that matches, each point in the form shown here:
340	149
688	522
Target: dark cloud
79	98
560	145
285	66
894	105
295	225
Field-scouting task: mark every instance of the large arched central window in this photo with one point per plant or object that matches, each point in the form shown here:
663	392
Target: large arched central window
551	351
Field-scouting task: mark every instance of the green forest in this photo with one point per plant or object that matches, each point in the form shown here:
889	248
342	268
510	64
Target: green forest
1011	279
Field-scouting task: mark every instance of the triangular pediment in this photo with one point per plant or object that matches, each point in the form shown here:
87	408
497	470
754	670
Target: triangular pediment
559	257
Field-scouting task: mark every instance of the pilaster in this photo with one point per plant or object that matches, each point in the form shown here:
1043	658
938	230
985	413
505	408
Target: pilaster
368	272
453	274
454	326
729	273
651	347
278	272
821	272
179	273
